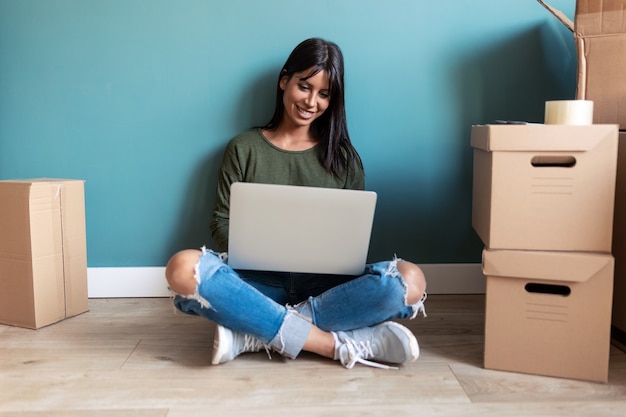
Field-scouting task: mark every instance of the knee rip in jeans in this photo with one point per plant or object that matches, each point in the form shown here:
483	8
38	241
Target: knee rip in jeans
392	270
196	295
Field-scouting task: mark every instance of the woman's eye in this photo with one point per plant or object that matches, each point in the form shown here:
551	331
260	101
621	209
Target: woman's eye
324	94
304	87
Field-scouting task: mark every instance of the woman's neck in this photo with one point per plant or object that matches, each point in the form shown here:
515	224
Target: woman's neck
298	139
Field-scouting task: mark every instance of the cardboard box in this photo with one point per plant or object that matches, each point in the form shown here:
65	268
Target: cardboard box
544	187
619	247
43	251
548	313
599	29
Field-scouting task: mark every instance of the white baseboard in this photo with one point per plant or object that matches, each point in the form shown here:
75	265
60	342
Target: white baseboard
121	282
127	282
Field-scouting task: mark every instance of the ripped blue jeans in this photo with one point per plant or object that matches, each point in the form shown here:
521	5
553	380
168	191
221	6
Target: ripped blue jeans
280	308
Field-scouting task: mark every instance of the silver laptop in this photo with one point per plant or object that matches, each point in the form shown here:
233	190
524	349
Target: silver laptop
299	229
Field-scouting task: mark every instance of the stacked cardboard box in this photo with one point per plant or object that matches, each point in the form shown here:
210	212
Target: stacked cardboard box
43	253
599	29
543	200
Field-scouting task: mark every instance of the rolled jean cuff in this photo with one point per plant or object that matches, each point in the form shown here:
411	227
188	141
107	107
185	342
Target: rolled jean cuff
292	334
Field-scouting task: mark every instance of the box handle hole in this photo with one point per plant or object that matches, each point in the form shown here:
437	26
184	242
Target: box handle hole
563	290
553	161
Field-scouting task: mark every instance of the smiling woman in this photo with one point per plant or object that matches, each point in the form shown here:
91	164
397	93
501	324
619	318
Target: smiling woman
342	317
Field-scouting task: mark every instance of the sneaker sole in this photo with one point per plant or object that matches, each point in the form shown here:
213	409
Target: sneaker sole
218	351
414	349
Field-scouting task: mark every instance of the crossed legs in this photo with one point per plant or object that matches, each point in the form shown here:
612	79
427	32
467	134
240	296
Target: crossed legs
182	277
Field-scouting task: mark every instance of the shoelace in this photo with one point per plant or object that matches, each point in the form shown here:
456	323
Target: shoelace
358	352
252	344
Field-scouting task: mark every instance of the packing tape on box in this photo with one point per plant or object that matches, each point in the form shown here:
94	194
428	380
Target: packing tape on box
569	112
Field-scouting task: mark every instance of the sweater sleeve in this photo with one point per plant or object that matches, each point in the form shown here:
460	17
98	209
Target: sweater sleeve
229	172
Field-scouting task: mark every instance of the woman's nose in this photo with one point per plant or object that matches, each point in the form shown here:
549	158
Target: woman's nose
311	99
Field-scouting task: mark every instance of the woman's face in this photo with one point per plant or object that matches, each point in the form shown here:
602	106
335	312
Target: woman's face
305	100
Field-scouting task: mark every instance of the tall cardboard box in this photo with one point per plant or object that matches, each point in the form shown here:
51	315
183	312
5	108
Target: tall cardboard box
599	29
43	251
548	313
544	187
619	247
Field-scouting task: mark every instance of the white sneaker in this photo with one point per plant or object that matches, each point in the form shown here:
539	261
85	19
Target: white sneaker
228	344
388	342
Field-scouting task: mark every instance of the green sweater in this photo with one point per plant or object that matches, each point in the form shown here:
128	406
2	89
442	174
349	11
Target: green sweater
251	157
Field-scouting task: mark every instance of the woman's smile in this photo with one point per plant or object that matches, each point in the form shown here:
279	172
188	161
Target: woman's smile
305	113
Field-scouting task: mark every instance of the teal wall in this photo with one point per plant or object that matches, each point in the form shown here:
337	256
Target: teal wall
139	97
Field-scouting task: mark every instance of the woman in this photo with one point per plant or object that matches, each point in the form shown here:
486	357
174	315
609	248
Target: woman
345	318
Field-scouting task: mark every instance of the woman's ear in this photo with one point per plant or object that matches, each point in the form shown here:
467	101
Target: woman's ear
284	78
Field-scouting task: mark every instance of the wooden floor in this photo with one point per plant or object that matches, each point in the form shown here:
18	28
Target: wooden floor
136	357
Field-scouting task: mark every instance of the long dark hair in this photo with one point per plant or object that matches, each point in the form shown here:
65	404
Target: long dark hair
336	153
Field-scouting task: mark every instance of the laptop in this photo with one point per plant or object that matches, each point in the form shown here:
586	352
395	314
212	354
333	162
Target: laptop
299	229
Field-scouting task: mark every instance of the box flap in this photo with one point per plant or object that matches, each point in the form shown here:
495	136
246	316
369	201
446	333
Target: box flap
600	17
74	247
540	137
14	222
544	265
559	15
594	17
